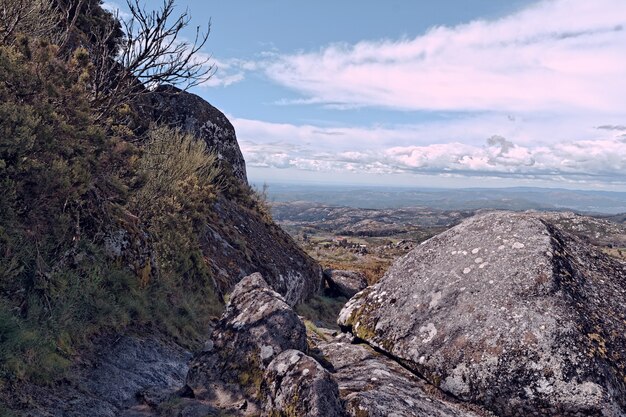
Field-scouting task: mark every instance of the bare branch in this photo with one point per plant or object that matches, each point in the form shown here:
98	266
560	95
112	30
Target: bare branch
36	18
151	54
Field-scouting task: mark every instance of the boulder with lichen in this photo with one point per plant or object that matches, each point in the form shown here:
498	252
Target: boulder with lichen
507	311
257	325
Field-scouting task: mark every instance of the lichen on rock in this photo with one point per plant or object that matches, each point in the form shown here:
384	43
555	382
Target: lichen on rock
296	385
257	325
539	328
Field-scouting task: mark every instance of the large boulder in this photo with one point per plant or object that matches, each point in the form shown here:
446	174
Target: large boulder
171	106
297	385
507	311
257	325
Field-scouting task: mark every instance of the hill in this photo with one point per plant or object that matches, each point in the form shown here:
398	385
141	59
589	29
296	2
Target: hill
125	214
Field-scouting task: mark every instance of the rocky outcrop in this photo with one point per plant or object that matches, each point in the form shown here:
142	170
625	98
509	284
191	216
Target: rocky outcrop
344	283
257	325
373	385
507	311
295	384
239	241
173	107
123	369
255	360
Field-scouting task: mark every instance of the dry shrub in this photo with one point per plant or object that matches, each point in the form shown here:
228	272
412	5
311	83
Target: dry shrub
36	18
173	158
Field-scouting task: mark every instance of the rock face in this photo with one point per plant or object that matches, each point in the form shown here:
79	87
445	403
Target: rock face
172	106
507	311
373	385
239	242
236	241
296	385
344	283
129	366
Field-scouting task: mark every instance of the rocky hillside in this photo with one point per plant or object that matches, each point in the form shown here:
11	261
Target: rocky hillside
125	220
141	275
261	360
506	314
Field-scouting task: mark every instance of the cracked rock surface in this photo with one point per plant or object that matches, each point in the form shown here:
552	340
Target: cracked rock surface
506	311
373	385
296	384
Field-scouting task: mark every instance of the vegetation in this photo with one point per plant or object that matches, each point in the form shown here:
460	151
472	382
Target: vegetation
39	18
98	226
146	53
321	311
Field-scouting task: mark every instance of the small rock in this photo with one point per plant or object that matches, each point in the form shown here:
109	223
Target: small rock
344	283
296	385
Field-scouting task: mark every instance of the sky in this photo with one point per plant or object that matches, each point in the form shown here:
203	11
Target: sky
449	93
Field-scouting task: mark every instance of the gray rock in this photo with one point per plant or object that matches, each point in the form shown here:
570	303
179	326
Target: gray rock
197	409
257	325
344	283
296	385
243	242
124	368
169	105
506	311
373	385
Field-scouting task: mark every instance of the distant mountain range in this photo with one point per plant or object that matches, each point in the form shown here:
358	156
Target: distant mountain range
518	198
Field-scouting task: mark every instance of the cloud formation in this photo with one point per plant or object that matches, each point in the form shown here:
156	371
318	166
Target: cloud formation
562	54
538	94
271	145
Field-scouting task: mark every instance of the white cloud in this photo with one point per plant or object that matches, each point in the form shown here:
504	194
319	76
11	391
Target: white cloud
562	55
228	71
116	9
312	148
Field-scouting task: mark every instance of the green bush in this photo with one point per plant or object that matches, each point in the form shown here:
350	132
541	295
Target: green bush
67	182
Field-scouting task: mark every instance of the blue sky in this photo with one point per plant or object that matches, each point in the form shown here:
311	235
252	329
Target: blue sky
422	93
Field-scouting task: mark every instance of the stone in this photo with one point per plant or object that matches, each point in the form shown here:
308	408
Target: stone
344	283
257	325
129	367
295	384
539	330
243	242
372	385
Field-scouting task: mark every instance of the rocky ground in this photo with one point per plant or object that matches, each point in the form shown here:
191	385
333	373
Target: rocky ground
506	314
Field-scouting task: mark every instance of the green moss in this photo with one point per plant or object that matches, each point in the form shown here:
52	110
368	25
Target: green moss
312	328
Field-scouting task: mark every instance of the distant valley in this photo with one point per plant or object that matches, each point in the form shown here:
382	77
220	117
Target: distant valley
369	235
518	198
